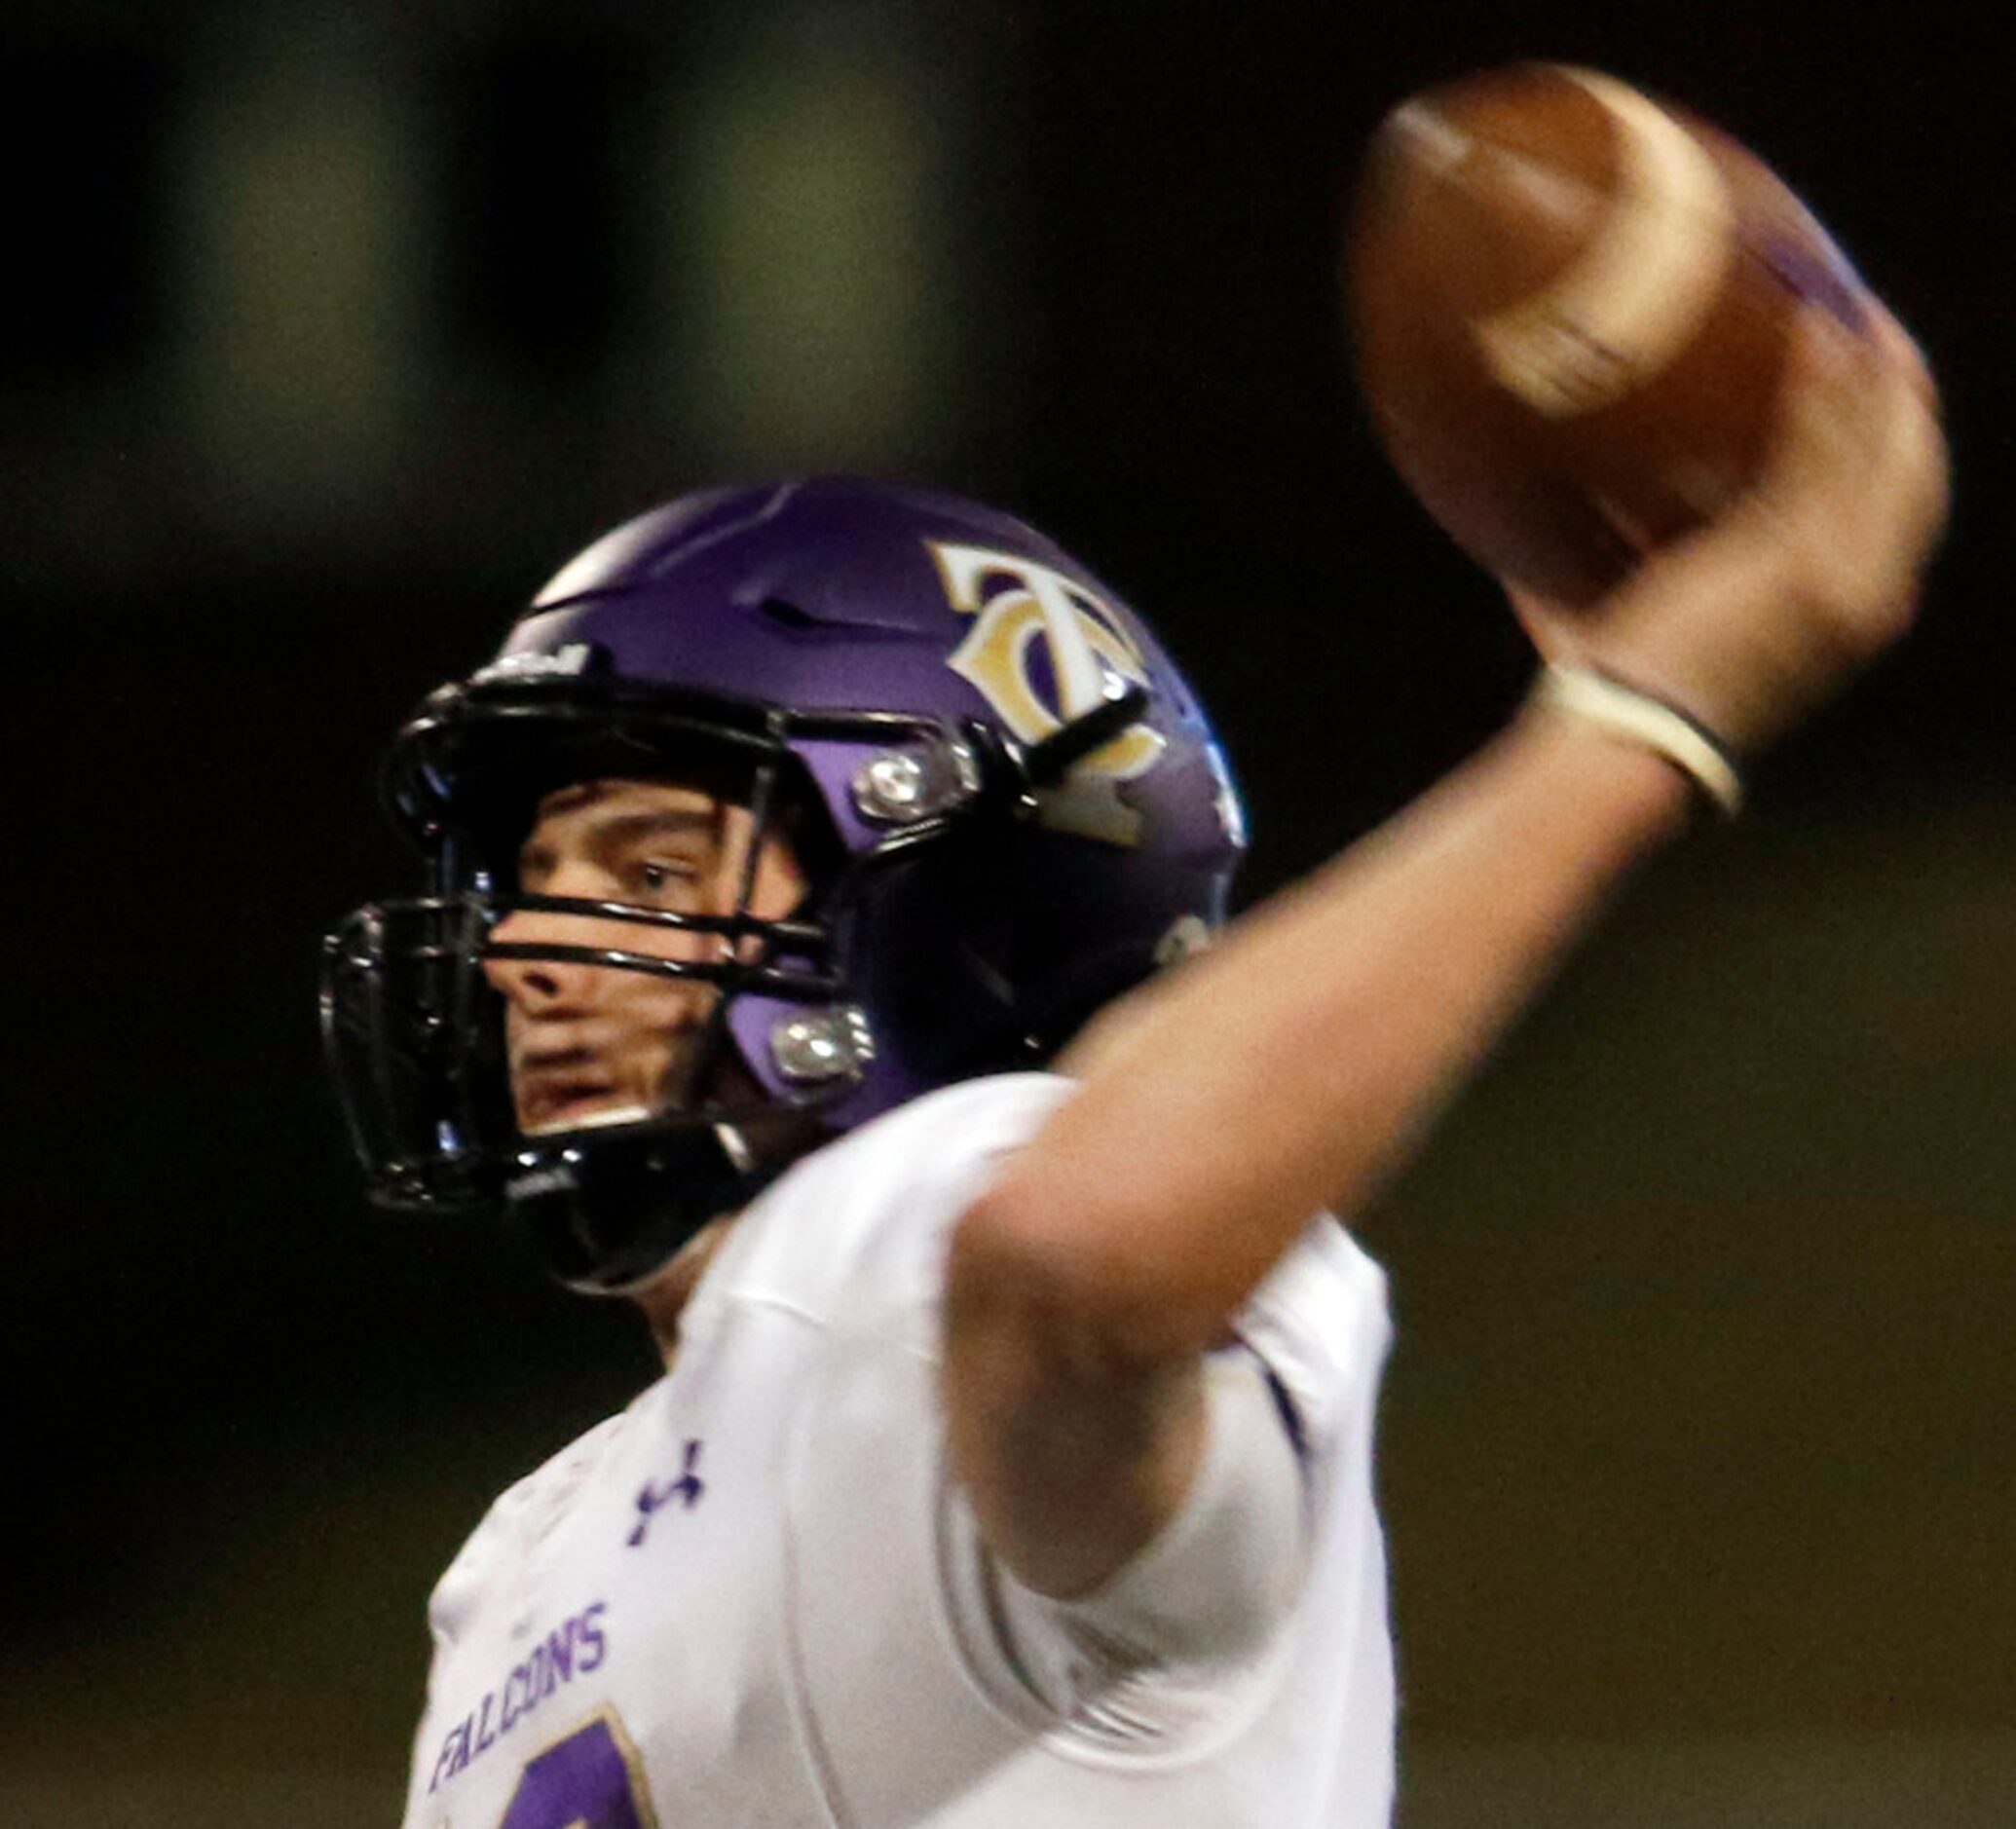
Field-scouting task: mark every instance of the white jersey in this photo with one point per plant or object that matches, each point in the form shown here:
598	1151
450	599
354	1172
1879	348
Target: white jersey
753	1599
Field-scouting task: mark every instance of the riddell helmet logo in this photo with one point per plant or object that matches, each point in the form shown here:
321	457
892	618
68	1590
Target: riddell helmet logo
1019	603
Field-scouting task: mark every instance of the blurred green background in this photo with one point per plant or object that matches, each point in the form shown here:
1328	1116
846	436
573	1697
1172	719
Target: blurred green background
334	329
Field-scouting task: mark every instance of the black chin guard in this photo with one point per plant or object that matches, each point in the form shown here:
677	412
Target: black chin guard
607	1217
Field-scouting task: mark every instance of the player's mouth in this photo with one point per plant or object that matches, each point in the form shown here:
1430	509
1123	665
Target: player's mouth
553	1103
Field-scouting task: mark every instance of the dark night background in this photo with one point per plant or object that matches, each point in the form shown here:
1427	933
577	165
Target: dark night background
333	330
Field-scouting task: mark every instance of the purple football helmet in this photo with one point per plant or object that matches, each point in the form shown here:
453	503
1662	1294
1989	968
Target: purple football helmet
1007	804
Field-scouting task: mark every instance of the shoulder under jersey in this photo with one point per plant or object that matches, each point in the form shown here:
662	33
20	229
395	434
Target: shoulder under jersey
753	1599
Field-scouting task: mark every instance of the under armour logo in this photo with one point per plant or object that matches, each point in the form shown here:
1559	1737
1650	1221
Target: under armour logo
689	1487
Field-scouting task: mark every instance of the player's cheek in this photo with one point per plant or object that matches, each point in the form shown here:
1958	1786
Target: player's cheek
658	1012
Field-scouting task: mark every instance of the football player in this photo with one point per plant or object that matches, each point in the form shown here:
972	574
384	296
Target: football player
814	953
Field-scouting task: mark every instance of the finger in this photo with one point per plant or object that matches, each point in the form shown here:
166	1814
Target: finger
1824	405
1880	513
1845	397
1824	350
1917	467
1912	459
1901	351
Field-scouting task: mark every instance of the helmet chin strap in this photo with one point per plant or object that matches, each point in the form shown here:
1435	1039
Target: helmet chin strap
1045	763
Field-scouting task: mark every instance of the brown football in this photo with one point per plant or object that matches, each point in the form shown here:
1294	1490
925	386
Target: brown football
1571	308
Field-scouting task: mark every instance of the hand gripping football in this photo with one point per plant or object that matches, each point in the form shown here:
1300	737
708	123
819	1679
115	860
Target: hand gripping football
1571	308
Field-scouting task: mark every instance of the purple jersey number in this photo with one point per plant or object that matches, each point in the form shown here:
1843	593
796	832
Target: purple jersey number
583	1782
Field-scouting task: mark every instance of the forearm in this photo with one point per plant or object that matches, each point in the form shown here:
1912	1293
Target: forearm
1292	1066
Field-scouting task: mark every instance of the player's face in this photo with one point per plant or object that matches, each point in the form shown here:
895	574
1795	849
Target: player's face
598	1045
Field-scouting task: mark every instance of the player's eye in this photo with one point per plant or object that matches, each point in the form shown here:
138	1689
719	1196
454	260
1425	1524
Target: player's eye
664	876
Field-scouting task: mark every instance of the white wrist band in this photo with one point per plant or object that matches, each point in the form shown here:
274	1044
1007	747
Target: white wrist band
1639	718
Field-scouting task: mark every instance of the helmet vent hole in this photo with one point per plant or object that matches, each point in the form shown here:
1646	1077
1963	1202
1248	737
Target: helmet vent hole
788	615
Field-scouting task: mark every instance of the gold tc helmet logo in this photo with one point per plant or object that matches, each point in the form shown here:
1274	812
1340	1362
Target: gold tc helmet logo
1017	602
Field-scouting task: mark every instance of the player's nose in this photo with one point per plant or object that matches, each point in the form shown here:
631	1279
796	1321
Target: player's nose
541	984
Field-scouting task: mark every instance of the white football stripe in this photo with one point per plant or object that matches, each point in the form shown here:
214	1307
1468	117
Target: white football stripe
1430	138
1642	285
